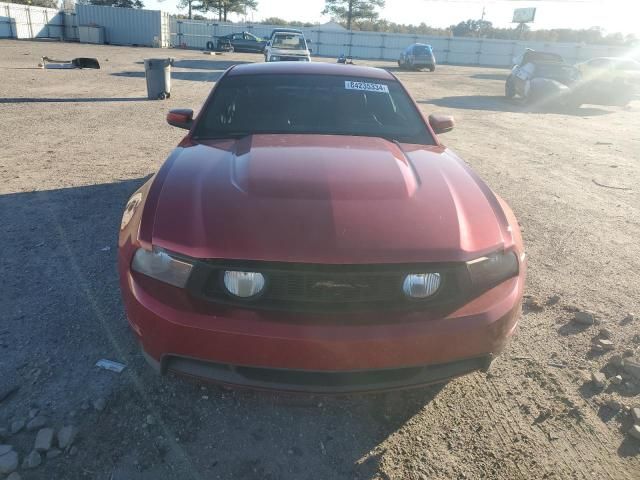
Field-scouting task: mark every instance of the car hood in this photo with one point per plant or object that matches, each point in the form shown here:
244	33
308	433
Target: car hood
289	51
323	199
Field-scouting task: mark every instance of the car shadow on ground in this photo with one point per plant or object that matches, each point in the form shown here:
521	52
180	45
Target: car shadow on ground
71	100
496	103
62	312
491	76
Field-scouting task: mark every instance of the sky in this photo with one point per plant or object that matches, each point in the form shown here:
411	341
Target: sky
611	15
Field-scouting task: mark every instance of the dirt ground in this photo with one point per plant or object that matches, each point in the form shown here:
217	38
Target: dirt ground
76	144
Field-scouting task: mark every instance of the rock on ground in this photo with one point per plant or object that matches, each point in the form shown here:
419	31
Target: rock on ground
632	367
635	431
66	436
8	462
584	318
16	426
33	460
635	414
44	440
53	453
598	379
37	423
605	344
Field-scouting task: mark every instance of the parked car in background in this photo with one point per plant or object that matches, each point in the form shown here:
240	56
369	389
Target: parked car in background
246	42
611	80
417	56
312	233
287	47
552	83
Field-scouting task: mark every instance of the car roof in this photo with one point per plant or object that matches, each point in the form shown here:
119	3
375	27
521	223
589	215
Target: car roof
553	64
615	59
420	45
311	68
285	30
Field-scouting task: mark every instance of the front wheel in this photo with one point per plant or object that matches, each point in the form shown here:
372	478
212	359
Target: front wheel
432	68
509	89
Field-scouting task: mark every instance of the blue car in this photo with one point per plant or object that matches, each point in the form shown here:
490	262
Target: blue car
417	57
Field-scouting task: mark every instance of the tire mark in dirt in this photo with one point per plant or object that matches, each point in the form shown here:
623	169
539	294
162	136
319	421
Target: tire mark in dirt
596	450
496	419
500	399
592	434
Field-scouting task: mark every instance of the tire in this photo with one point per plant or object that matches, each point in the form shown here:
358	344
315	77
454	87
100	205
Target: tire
210	46
432	68
509	89
399	64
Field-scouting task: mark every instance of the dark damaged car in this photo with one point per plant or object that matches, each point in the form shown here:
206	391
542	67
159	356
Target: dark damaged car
547	83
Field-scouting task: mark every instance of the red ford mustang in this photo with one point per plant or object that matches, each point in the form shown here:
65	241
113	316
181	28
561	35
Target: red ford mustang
311	233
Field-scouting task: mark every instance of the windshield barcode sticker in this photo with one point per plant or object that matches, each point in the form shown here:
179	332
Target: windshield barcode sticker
367	87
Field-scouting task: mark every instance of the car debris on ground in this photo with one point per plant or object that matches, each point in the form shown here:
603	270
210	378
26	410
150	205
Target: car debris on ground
110	365
80	62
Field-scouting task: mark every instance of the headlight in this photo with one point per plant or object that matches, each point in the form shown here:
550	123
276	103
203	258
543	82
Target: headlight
493	269
130	209
243	284
160	265
421	285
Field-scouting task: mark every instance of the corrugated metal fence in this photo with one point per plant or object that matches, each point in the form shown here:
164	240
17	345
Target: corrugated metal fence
127	26
24	21
387	46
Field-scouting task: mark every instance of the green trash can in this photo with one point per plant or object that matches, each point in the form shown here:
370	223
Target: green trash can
158	74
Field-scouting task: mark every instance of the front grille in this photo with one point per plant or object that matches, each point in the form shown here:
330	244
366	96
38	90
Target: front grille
333	287
322	288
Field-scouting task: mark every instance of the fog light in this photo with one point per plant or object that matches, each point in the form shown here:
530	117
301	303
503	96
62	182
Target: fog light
243	284
421	285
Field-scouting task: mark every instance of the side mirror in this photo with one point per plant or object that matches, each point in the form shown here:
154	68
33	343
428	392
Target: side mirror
181	118
441	123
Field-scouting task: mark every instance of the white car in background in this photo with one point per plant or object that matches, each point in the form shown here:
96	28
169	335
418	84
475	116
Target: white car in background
287	47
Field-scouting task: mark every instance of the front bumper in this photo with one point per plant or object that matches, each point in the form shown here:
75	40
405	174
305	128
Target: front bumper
317	353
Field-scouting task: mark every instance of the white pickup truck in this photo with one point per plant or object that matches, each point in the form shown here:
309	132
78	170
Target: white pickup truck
287	46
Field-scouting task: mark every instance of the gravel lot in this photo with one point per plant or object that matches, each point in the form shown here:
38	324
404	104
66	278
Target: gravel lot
76	144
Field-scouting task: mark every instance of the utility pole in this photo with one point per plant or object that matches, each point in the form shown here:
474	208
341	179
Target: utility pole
481	22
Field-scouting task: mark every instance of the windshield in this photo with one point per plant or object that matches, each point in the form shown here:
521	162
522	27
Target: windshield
320	104
289	41
421	50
